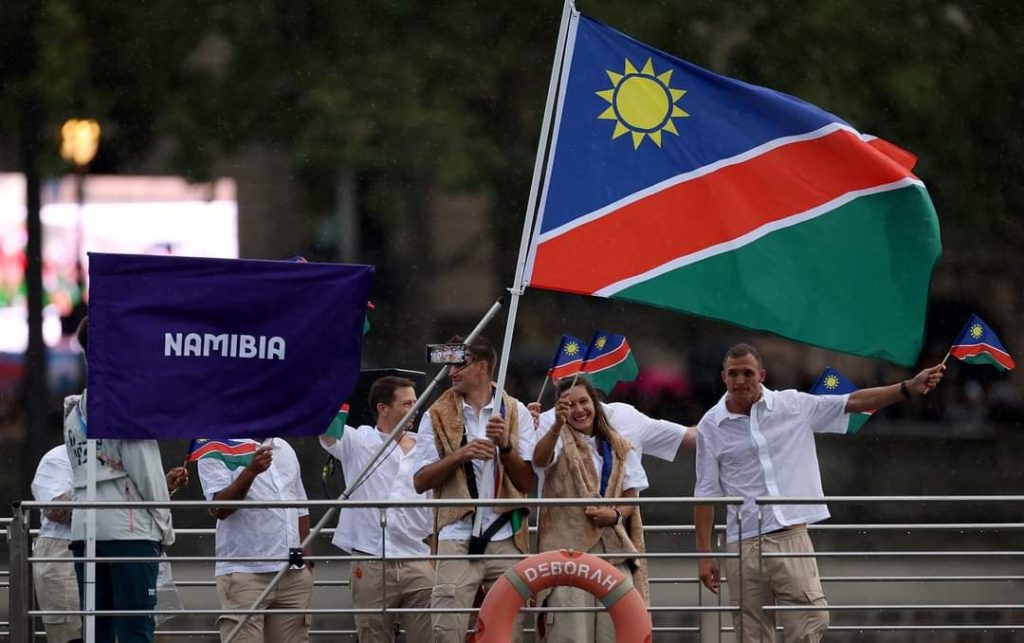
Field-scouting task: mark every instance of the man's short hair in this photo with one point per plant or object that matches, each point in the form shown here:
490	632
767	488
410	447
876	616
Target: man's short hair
481	350
82	333
382	391
742	350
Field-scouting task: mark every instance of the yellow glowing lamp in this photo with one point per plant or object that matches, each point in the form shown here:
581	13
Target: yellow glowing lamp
79	140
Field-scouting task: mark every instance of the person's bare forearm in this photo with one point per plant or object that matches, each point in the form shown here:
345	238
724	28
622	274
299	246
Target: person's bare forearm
433	475
872	399
545	449
519	472
703	521
237	490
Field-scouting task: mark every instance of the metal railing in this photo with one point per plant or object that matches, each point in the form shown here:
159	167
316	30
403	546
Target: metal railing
691	610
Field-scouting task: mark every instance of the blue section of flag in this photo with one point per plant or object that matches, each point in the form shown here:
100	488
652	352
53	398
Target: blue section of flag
571	350
182	347
726	117
976	331
832	382
603	343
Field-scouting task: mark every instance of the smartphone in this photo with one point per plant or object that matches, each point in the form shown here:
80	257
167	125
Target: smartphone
446	353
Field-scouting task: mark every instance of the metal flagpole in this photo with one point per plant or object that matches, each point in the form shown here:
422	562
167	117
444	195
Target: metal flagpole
370	466
90	540
528	222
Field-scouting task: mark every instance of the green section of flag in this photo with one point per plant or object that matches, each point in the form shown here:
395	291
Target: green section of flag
337	427
983	359
366	324
854	279
856	421
624	371
230	461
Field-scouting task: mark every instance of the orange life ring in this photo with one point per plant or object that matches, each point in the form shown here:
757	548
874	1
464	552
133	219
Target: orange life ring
563	567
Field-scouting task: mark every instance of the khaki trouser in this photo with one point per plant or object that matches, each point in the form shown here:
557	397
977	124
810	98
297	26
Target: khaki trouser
456	583
405	584
777	581
239	590
578	627
56	589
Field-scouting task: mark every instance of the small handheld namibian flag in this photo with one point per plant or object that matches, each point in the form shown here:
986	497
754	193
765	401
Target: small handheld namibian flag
569	359
233	453
832	382
977	344
337	427
609	361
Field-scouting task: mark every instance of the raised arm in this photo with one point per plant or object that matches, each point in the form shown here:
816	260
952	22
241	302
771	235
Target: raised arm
872	399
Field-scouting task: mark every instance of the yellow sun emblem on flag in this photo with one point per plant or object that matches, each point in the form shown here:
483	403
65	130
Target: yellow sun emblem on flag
642	103
831	382
977	331
572	348
600	343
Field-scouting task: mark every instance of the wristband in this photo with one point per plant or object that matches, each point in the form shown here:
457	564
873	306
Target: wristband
904	390
505	449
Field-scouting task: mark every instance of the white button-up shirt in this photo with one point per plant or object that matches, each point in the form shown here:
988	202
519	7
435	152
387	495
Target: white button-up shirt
476	427
634	476
263	532
53	479
649	436
768	453
359	528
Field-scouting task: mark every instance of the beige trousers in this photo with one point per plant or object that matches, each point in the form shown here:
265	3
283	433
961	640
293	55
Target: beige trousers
391	584
578	627
456	583
240	590
777	581
56	589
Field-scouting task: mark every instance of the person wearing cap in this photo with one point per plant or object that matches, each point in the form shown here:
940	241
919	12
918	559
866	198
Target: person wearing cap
385	533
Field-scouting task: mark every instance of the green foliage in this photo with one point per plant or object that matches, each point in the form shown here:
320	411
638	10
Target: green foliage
452	92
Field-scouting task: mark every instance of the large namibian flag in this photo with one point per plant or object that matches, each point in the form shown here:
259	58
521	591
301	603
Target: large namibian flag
568	359
676	187
832	382
609	361
181	347
978	344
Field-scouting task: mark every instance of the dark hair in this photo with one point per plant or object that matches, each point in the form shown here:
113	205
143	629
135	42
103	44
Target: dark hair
602	428
382	391
742	350
481	350
82	333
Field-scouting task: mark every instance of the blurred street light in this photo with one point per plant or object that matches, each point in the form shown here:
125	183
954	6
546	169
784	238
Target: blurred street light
79	140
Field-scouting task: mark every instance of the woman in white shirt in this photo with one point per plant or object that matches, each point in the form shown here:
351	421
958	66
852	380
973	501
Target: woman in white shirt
582	456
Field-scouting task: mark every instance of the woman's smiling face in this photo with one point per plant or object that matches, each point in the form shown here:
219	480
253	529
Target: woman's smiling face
581	409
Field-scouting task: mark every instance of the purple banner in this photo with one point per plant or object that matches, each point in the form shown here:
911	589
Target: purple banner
182	347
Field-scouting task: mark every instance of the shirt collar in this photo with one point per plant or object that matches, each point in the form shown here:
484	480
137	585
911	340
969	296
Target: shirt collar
722	413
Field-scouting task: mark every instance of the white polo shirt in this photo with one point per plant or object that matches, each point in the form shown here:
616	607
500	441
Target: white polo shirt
359	528
634	477
53	479
771	452
476	424
658	438
258	531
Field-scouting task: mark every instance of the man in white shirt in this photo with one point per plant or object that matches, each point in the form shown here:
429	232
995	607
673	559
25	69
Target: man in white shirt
388	583
55	583
757	442
273	474
458	434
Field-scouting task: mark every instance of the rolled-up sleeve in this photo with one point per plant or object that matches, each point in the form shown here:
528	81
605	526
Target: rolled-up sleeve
708	483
